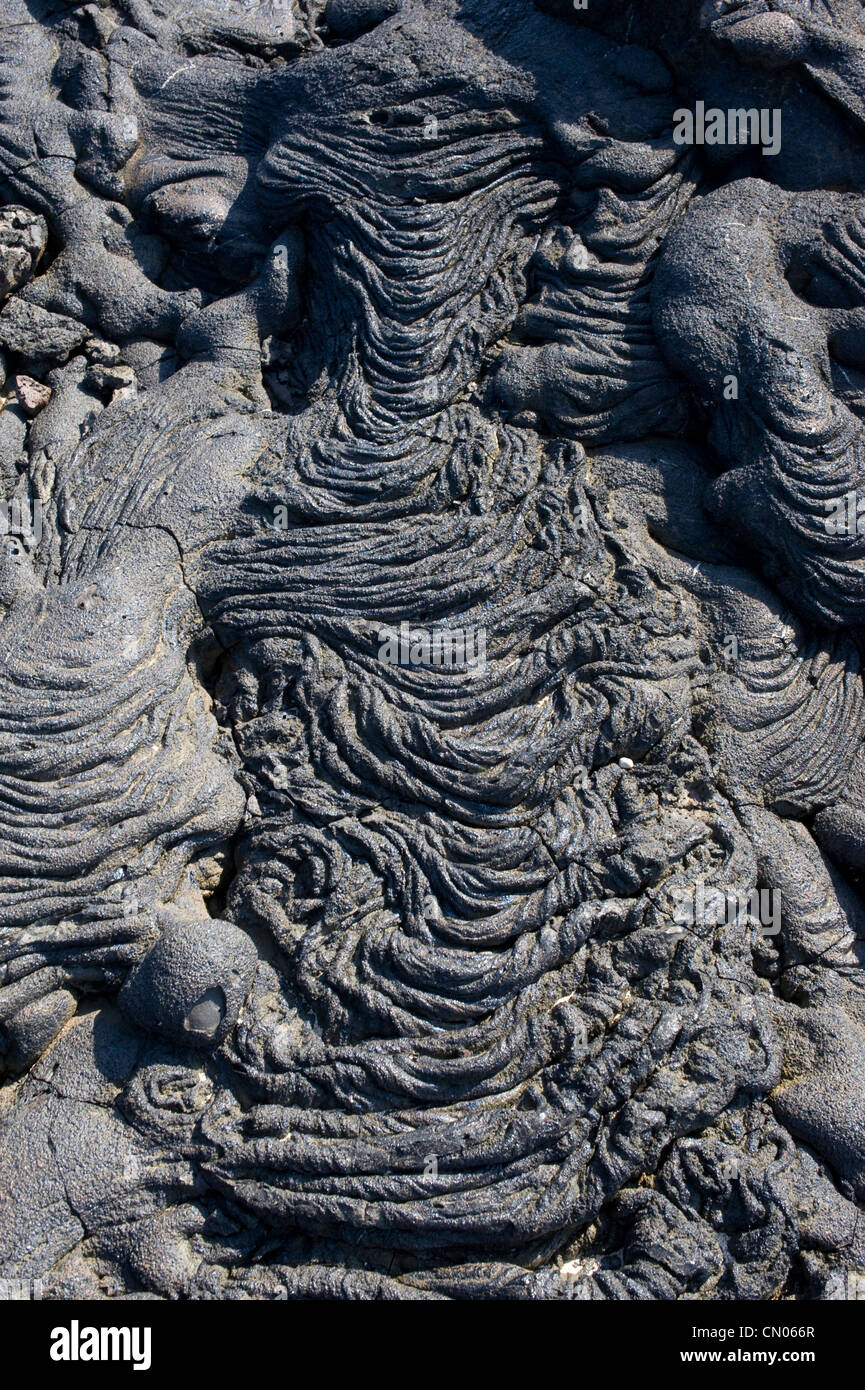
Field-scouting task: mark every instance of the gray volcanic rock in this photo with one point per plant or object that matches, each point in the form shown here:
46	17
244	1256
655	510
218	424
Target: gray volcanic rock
34	333
23	237
431	614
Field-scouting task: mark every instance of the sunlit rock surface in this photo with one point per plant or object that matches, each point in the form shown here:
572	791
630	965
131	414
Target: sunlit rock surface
432	496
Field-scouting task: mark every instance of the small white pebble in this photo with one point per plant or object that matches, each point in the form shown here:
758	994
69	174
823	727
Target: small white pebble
626	762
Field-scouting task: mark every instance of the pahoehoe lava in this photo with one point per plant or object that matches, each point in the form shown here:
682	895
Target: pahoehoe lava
431	621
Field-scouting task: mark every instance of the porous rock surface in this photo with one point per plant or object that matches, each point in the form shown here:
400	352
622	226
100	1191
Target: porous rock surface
329	969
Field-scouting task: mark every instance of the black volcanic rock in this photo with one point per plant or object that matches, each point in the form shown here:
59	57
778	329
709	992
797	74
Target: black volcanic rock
432	582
